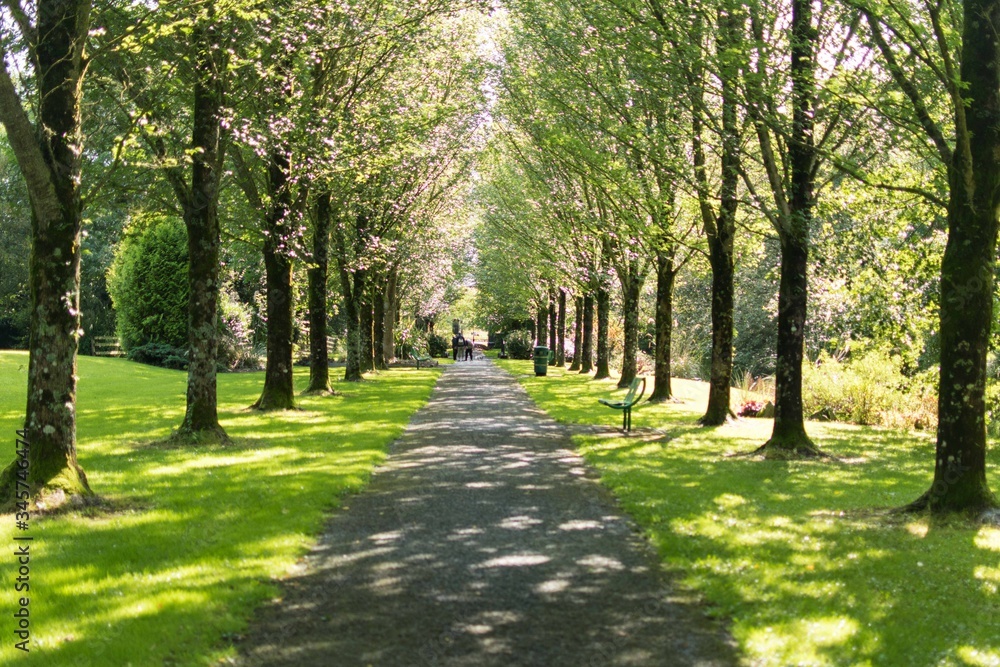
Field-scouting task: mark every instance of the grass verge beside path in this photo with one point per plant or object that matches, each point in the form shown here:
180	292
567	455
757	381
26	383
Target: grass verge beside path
795	554
195	537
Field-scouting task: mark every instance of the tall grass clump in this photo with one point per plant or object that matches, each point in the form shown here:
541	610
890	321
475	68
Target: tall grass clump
868	388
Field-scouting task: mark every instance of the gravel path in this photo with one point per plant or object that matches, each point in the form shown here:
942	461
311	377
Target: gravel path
483	541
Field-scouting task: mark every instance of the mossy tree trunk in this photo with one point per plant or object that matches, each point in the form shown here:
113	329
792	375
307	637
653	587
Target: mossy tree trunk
587	356
577	334
49	159
367	325
603	368
350	235
354	371
378	326
367	317
279	389
967	273
664	323
201	217
352	285
318	274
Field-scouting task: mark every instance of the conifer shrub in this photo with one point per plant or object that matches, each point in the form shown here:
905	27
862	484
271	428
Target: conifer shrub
148	283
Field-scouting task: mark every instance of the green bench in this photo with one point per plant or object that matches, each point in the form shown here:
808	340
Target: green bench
625	405
422	359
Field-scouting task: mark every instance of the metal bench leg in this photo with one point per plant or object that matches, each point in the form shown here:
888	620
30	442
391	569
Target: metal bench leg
625	420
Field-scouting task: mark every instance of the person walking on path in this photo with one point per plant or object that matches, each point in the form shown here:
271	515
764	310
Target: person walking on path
483	541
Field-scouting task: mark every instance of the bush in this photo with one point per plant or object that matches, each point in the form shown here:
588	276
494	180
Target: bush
519	344
160	354
993	408
868	389
438	346
236	348
149	286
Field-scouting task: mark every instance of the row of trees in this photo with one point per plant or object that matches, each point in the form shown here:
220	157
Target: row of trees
287	131
634	135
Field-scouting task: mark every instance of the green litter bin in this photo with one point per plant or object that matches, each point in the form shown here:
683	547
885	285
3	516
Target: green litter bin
543	356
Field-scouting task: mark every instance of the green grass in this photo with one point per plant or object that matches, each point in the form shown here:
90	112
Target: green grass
793	554
196	538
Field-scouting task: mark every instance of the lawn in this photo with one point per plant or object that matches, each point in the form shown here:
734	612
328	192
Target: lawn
798	557
192	539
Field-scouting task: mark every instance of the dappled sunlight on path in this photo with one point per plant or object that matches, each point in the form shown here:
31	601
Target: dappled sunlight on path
483	541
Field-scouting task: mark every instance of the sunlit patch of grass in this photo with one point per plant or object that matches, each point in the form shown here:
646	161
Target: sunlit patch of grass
800	557
189	540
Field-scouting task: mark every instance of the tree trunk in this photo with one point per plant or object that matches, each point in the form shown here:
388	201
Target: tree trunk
542	320
352	285
552	326
577	335
378	328
319	356
201	217
789	435
723	268
665	275
279	390
603	369
967	275
789	432
49	160
389	317
630	307
721	231
587	358
367	321
561	330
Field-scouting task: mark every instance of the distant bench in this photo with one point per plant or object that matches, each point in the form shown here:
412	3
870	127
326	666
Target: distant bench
625	405
106	346
422	359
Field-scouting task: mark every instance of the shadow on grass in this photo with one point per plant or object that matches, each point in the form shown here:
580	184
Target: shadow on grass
802	555
191	538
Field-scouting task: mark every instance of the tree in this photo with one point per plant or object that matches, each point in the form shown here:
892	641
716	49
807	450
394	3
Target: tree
48	152
790	157
954	81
